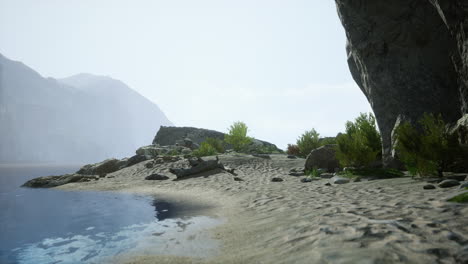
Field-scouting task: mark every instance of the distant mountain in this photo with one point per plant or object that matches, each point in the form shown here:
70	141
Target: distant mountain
83	118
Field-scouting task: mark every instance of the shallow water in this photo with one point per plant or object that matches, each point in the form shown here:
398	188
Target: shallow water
54	226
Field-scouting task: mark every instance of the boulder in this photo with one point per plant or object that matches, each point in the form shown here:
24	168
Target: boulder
156	177
101	168
457	176
54	181
151	151
322	157
448	183
291	157
429	187
276	179
136	159
408	59
464	185
339	180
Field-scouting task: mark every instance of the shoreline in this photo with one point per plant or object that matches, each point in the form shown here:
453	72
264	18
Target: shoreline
381	221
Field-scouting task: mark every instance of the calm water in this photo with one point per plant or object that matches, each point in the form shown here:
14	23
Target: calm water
53	226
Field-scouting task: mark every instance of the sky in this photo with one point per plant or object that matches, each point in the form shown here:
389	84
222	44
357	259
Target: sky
277	65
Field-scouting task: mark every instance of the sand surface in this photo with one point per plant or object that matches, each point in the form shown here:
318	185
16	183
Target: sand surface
381	221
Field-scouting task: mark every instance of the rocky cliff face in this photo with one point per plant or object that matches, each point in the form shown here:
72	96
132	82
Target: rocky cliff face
408	57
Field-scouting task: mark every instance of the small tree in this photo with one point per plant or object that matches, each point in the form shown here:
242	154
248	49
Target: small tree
307	142
293	150
361	144
216	144
426	150
237	136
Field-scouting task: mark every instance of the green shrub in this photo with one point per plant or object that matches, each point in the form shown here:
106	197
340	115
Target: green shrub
461	198
327	141
314	172
307	142
237	136
293	150
361	144
381	173
426	150
216	144
205	149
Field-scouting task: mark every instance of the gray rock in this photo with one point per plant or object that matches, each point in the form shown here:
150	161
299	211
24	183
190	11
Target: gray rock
276	179
464	185
151	151
238	179
408	59
149	165
101	168
156	177
291	157
136	159
54	181
322	157
327	184
171	135
429	187
308	179
339	180
448	183
263	156
357	179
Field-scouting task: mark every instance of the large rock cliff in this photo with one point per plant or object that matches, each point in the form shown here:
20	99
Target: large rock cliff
408	57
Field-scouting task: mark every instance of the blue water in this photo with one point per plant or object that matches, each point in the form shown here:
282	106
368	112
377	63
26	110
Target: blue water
53	226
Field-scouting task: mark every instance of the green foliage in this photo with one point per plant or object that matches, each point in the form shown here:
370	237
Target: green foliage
361	144
307	142
327	141
428	149
237	136
205	149
216	144
461	198
314	173
293	150
172	153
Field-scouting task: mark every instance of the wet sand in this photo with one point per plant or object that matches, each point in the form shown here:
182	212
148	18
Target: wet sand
381	221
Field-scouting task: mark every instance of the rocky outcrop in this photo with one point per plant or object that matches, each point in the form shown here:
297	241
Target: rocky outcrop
408	57
101	168
54	181
323	157
179	135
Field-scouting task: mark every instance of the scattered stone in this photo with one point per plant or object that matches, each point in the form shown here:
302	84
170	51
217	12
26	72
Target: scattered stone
327	184
429	187
151	151
54	181
357	179
326	175
464	185
149	165
276	179
322	157
449	183
101	168
238	179
339	180
296	174
229	170
308	179
292	157
156	177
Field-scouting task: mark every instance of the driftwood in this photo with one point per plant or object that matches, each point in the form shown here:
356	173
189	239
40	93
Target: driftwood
198	166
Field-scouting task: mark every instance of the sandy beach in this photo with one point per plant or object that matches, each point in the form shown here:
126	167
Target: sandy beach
380	221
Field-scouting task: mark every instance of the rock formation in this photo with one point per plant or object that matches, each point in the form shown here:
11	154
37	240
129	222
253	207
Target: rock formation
173	135
408	57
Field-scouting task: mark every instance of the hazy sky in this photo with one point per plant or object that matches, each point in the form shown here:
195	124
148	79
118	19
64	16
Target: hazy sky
279	66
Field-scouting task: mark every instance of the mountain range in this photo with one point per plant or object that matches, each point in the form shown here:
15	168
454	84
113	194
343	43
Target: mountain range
82	118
